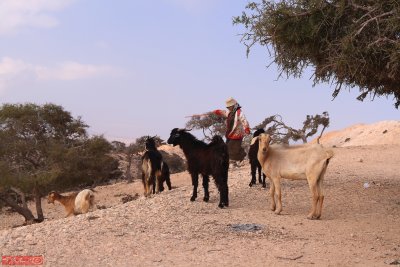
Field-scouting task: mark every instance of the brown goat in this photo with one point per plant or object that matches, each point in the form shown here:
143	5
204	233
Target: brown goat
74	204
302	162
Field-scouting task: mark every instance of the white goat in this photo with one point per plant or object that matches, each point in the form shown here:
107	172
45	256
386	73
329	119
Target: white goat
75	203
303	162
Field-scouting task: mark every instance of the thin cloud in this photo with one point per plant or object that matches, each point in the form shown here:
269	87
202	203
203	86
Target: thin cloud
17	70
68	71
16	14
12	70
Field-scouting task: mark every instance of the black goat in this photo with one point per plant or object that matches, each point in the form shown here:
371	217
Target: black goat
205	159
254	163
165	176
154	171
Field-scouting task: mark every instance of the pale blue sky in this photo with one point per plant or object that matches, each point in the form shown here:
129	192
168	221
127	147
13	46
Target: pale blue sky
132	68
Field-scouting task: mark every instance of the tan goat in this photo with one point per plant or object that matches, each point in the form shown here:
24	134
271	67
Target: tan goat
75	203
302	162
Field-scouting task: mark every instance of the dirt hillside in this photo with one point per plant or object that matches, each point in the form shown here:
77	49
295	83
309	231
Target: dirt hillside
359	224
380	133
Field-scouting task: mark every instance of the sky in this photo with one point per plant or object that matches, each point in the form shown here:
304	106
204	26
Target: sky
130	68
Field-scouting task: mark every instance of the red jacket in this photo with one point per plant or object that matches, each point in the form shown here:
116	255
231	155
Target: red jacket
240	127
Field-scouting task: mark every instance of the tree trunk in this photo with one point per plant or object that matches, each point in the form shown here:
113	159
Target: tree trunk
38	203
29	218
22	195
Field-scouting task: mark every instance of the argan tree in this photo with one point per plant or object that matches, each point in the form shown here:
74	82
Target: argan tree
352	43
210	124
43	147
281	133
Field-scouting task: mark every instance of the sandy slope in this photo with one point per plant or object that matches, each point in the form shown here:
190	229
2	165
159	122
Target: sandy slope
359	227
380	133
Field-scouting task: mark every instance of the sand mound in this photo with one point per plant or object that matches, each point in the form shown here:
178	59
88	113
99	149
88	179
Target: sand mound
380	133
172	150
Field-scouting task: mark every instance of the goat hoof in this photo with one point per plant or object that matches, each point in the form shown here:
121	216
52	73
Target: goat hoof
227	204
220	205
193	198
251	184
312	217
264	185
205	199
315	217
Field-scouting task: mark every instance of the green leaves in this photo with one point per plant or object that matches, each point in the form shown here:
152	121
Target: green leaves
47	146
352	43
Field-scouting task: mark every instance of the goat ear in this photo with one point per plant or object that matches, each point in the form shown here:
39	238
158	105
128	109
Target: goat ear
254	140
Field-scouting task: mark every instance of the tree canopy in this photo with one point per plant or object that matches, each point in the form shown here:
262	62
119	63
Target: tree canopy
44	148
210	124
351	43
282	133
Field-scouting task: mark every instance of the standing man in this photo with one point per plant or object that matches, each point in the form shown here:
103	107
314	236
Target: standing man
236	128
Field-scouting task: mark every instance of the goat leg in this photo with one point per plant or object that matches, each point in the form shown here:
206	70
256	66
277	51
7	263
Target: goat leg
259	174
253	176
206	180
315	197
168	180
223	196
226	196
278	197
272	195
195	183
161	186
263	183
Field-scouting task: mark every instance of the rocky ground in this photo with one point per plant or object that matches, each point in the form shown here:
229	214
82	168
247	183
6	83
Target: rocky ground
359	226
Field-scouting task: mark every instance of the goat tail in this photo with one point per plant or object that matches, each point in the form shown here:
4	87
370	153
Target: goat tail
90	198
84	201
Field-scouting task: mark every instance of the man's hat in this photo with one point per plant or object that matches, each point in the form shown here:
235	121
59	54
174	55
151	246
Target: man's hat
230	102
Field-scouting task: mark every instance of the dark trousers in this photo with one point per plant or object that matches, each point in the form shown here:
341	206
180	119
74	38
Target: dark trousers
235	149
